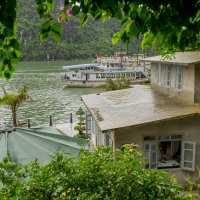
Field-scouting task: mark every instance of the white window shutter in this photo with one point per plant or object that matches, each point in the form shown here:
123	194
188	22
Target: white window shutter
150	153
153	156
188	155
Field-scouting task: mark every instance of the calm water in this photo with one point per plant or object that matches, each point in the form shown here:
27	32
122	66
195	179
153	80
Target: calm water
50	97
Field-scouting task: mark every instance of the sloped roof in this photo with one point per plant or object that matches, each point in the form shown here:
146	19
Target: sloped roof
135	106
24	145
184	58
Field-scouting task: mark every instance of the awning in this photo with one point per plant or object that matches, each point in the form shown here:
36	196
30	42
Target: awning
80	66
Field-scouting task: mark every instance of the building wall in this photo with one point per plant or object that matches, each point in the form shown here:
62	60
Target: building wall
197	84
188	90
187	127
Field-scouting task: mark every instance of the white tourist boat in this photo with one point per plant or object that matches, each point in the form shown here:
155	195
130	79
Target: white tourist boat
96	74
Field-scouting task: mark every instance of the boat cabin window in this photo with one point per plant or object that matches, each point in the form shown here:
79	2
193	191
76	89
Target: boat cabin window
102	75
98	76
73	75
123	75
112	75
108	76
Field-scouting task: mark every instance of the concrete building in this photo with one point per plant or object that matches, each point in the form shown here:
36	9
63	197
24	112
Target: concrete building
163	119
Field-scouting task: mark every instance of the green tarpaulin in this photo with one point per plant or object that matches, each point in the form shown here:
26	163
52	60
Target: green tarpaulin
26	144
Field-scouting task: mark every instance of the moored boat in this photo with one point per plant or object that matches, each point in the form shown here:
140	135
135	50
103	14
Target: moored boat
96	75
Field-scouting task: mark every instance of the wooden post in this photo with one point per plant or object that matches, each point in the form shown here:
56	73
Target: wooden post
50	121
71	118
29	123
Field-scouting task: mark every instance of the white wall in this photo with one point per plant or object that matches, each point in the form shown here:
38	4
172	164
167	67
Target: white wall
188	89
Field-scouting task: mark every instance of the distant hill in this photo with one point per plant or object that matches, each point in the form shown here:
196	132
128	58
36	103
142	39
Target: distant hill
78	42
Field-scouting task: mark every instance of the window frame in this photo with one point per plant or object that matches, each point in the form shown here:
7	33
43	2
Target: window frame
193	155
107	141
148	155
158	74
167	80
179	74
154	140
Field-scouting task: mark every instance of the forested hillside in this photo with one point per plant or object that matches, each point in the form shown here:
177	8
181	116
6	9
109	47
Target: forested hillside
78	42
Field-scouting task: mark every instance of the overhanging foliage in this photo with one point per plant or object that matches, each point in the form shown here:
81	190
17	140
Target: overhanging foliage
174	25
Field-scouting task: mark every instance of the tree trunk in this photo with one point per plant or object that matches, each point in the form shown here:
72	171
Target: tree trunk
14	117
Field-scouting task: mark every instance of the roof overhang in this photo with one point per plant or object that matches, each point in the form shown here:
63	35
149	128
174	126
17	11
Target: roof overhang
180	58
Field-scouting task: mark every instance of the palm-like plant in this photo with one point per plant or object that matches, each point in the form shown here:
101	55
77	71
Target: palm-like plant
14	101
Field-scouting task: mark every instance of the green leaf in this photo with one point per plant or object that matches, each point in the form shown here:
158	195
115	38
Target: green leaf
118	14
44	36
132	30
7	74
98	16
75	10
12	68
56	36
117	36
83	19
148	40
14	43
44	31
105	16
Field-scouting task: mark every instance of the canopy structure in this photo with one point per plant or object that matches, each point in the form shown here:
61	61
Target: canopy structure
24	145
81	66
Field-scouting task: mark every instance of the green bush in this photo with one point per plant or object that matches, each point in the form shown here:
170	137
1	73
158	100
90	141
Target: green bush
104	173
117	84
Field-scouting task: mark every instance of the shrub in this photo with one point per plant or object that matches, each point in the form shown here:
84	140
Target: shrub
101	174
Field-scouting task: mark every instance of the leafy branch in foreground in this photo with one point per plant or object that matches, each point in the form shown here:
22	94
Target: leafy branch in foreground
173	25
102	174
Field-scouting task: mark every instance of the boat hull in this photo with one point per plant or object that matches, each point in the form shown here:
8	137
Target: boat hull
84	84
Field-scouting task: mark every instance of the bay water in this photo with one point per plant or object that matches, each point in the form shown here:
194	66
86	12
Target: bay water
49	94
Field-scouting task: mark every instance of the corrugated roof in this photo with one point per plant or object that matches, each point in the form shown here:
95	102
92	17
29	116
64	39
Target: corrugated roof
135	106
178	58
24	145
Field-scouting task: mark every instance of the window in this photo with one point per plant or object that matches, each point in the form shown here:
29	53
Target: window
150	153
167	80
165	152
88	123
102	75
107	140
98	76
158	74
188	161
179	78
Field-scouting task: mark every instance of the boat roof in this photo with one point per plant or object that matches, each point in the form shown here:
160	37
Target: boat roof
136	106
80	66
